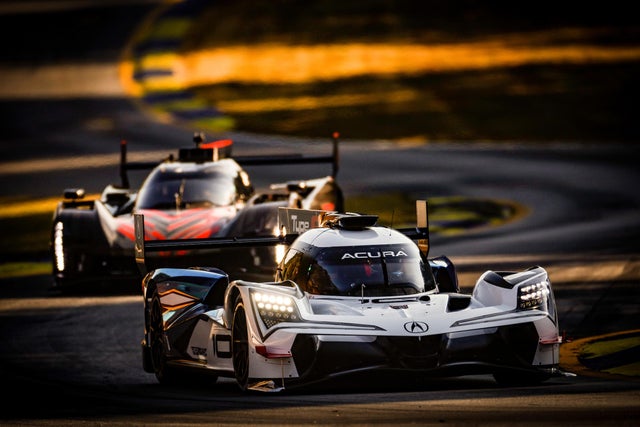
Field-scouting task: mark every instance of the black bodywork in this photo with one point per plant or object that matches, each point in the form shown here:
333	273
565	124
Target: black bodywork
92	240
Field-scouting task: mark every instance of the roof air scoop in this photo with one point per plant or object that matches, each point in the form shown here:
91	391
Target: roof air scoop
350	221
206	151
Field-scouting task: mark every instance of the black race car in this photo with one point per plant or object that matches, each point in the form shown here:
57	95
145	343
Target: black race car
203	193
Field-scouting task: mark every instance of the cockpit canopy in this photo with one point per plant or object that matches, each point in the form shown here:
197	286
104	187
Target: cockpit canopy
179	186
376	270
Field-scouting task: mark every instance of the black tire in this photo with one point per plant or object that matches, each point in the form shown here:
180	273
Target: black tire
240	344
164	373
147	363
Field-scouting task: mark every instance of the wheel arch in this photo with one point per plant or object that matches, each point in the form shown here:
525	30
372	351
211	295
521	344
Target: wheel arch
229	302
78	222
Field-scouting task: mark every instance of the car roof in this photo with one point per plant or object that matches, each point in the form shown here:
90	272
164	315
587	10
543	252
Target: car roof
334	237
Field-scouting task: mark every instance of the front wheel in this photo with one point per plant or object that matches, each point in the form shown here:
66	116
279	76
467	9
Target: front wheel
158	358
240	344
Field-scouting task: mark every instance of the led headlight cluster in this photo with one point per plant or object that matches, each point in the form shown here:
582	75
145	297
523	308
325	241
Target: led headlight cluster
532	296
275	308
58	251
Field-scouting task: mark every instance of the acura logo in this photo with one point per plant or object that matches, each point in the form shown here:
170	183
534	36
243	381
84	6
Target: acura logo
416	327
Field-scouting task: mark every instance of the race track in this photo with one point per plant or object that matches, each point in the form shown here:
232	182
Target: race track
75	360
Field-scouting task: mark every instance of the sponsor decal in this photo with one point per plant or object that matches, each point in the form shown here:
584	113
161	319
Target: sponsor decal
297	221
416	327
374	254
299	226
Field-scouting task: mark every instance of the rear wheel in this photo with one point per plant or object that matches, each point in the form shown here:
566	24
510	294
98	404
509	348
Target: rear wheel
240	344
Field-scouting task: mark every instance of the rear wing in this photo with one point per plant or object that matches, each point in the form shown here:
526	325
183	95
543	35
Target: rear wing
291	223
212	151
297	159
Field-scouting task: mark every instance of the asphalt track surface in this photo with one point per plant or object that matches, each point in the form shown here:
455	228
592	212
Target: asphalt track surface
74	360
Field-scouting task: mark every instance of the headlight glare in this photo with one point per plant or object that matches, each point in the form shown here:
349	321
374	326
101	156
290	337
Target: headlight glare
274	308
58	246
533	296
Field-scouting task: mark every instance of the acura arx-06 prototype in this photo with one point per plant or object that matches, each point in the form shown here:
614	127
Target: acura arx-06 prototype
204	192
349	297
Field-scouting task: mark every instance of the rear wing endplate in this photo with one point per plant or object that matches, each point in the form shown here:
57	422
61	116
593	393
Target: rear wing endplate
420	234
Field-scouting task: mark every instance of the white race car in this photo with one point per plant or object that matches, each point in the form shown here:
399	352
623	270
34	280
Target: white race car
348	297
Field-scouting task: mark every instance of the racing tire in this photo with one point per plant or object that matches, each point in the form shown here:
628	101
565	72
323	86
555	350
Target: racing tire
147	363
240	344
164	373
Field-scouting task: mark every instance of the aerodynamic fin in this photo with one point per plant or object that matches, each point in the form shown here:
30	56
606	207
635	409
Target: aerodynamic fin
138	225
293	222
420	233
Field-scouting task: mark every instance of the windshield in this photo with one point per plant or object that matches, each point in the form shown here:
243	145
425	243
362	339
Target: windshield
360	271
170	190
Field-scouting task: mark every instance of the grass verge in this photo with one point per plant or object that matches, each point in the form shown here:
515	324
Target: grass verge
486	72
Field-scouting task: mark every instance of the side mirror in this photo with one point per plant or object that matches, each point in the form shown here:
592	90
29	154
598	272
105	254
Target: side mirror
74	193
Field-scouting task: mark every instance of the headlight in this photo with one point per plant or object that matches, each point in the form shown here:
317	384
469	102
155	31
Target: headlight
58	251
533	296
274	308
280	251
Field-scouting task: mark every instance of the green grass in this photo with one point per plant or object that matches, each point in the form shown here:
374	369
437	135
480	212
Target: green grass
535	103
447	215
549	101
24	235
24	245
229	22
23	269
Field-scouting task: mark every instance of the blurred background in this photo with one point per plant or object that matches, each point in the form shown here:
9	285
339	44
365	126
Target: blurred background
420	70
78	76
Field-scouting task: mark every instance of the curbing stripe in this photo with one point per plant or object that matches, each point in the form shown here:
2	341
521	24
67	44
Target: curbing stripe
573	355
